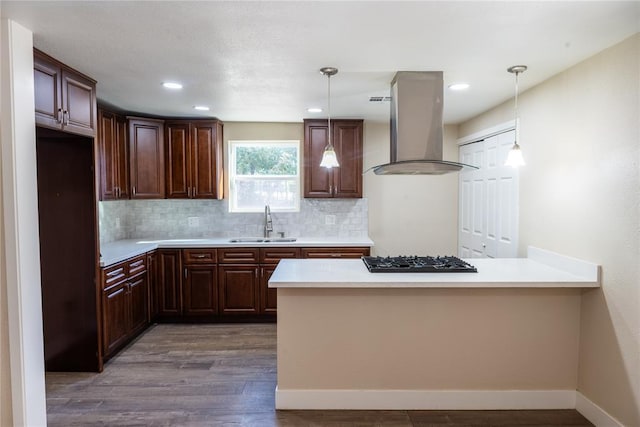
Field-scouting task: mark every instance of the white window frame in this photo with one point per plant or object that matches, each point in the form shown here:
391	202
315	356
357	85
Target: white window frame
233	208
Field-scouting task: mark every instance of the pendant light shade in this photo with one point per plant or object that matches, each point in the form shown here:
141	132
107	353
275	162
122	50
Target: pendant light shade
329	158
515	158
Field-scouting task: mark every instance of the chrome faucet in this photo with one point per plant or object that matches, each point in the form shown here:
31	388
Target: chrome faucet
268	223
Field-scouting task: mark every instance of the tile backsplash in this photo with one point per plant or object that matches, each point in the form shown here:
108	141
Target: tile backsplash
133	219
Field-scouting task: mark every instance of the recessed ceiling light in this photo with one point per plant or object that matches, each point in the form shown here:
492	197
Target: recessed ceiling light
459	86
314	110
172	85
201	107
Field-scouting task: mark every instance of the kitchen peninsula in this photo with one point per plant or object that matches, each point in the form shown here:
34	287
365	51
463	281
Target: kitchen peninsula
505	337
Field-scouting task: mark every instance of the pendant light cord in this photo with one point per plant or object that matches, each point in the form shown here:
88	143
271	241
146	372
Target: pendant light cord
329	108
516	106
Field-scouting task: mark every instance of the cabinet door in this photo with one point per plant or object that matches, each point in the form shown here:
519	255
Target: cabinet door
200	289
122	157
177	152
78	104
206	160
152	283
238	289
48	93
115	317
108	155
169	286
318	182
268	296
113	156
347	140
138	303
146	151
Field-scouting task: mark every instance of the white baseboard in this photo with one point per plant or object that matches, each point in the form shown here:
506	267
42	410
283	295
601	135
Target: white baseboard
594	413
425	399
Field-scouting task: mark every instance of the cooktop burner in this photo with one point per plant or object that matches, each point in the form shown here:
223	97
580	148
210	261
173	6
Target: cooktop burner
417	264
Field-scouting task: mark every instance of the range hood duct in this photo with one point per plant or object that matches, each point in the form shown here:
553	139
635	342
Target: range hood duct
416	126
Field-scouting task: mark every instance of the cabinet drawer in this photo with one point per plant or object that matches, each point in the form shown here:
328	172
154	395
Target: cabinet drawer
238	255
137	265
334	252
114	275
273	255
200	256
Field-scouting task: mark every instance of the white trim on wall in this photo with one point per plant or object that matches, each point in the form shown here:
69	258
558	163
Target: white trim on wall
594	413
21	239
425	399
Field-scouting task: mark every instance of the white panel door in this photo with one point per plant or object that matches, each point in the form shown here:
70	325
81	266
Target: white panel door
471	222
488	219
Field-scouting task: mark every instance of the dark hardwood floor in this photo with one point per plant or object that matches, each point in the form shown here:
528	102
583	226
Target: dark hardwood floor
225	375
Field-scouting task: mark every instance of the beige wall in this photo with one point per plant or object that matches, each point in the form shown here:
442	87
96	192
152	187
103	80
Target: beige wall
410	214
579	195
428	339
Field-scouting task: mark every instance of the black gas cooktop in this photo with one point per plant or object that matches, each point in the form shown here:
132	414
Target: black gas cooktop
417	264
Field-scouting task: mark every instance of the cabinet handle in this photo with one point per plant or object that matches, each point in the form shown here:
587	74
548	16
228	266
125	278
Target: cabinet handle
336	255
117	192
199	256
65	113
114	272
189	192
185	273
133	190
58	118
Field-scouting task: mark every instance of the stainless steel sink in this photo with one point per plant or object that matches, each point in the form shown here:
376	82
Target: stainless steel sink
266	240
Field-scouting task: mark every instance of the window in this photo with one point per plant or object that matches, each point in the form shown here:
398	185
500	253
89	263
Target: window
264	173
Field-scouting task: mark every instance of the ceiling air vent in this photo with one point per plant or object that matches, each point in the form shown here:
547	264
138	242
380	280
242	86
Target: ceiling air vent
379	98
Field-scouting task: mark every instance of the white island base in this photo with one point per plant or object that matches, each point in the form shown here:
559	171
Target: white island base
403	346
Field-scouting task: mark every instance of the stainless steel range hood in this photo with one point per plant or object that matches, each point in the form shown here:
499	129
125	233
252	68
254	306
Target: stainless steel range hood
416	126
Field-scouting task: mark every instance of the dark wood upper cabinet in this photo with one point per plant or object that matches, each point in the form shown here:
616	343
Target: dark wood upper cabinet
194	159
113	156
65	99
341	182
146	156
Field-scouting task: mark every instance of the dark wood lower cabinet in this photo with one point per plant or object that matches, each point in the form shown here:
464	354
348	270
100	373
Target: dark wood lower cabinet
125	302
152	283
169	286
200	293
196	285
138	303
238	286
115	317
268	296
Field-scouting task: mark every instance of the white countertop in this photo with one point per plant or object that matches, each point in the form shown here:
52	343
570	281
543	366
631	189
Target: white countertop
120	250
492	273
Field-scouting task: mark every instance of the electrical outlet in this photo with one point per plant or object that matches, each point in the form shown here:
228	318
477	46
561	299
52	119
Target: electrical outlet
194	221
117	222
330	220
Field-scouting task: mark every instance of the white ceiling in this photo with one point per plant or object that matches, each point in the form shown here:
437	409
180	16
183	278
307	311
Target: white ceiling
259	61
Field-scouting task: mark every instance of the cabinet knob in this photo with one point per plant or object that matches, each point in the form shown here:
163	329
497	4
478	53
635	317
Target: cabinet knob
58	117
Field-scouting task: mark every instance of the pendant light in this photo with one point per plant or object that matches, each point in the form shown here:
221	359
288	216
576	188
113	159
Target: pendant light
329	158
514	158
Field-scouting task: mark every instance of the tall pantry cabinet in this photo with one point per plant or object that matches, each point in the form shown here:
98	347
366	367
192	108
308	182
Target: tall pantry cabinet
65	111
